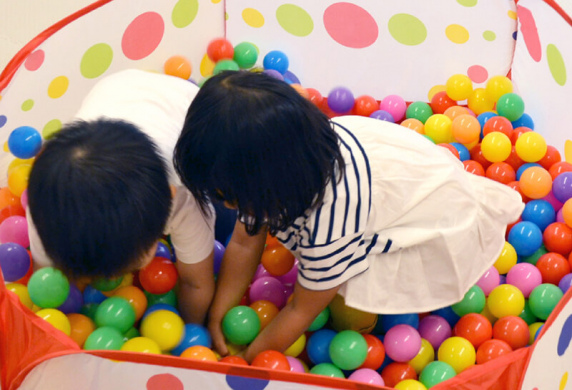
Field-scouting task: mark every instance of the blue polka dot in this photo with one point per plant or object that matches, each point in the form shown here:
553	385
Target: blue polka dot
565	336
514	35
3	120
242	383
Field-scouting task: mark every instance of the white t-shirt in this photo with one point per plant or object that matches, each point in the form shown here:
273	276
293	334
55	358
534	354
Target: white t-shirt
157	105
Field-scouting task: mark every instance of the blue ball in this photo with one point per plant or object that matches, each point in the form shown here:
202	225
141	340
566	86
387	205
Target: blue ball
92	295
388	321
194	334
318	346
525	237
24	142
524	121
540	212
163	251
524	167
276	60
483	118
464	153
448	314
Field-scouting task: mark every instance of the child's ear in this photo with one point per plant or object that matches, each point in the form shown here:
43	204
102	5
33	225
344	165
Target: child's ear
173	191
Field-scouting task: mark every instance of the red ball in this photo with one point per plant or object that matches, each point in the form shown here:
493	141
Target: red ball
500	124
273	360
553	267
516	133
558	168
477	155
501	172
220	49
396	372
514	160
492	349
451	148
551	157
515	185
474	167
365	105
315	96
159	276
440	102
513	330
234	360
375	352
558	238
474	327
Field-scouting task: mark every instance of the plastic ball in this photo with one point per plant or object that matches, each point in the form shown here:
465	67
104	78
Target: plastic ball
241	325
531	146
501	172
344	317
395	105
348	350
565	283
435	329
48	287
320	320
297	346
106	284
562	187
341	100
475	328
473	302
115	312
272	360
543	299
375	352
163	251
540	212
14	261
73	302
199	352
506	260
194	334
474	167
497	86
396	372
220	49
245	55
382	116
164	327
511	106
21	292
24	142
439	128
533	331
492	349
106	337
18	179
462	150
318	346
440	102
567	212
505	300
425	356
558	238
56	318
553	267
419	110
223	65
459	87
315	96
178	66
142	345
276	60
410	384
466	129
458	352
269	289
414	124
479	102
525	277
327	369
135	297
15	229
456	111
265	310
489	280
402	343
367	375
513	330
558	168
525	237
365	105
435	373
81	326
233	359
277	261
496	147
159	276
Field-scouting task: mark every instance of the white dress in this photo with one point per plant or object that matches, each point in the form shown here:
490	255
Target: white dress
407	229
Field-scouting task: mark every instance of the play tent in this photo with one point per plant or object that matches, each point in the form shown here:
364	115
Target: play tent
376	48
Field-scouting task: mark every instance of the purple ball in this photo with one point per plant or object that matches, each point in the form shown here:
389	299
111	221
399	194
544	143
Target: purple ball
73	302
565	283
291	78
562	187
341	100
269	289
274	73
367	375
260	273
218	253
14	261
402	342
289	278
435	329
382	115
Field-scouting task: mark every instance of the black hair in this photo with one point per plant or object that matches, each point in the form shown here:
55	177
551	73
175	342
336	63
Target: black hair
99	197
255	142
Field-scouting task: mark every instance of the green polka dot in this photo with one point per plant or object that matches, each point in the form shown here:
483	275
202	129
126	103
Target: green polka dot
407	29
467	3
96	60
51	128
556	64
294	20
184	12
27	105
489	36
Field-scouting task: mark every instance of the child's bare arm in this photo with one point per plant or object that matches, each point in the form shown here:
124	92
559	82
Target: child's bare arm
239	263
196	289
292	321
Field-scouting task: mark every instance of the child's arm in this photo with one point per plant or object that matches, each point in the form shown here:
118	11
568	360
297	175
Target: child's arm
196	289
239	263
292	321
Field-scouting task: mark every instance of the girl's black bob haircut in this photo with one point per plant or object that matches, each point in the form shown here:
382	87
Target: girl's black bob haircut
253	141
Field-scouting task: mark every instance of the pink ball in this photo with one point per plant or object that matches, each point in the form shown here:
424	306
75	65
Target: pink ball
550	198
489	280
295	365
367	375
435	329
268	288
15	229
560	216
289	278
260	272
525	277
24	199
395	105
402	342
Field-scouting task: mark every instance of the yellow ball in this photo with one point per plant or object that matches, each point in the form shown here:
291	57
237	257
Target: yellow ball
530	146
17	162
459	87
533	328
141	344
489	316
439	128
425	356
496	146
410	384
505	300
458	352
18	179
22	292
347	318
297	347
479	102
507	259
498	86
164	327
56	318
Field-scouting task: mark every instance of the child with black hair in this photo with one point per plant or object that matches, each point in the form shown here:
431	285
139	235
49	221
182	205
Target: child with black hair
103	191
374	212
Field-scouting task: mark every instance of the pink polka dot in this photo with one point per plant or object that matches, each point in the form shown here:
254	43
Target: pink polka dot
350	25
164	381
34	60
477	74
143	35
529	33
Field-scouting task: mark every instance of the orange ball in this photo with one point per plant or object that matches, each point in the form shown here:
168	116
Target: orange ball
265	310
199	352
178	66
456	111
466	128
375	352
81	326
414	124
567	212
535	182
7	198
273	360
277	261
513	330
136	297
301	90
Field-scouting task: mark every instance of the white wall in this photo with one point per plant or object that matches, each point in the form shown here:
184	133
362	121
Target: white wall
22	20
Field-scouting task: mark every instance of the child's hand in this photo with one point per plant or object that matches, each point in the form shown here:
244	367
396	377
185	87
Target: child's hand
217	336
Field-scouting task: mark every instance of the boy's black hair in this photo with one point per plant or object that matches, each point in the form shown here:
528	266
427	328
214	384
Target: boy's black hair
99	197
255	142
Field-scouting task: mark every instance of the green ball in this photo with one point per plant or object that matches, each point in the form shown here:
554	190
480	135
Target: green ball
474	301
245	55
533	259
241	325
348	349
169	298
116	312
435	373
131	333
419	110
320	320
106	284
89	309
527	314
327	369
105	337
223	65
48	287
511	106
543	299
